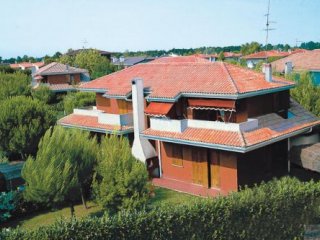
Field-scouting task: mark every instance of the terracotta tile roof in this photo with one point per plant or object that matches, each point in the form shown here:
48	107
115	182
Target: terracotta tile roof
309	60
266	54
271	126
58	68
226	55
90	122
169	77
26	65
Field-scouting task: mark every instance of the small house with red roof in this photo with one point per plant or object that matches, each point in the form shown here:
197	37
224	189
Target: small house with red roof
59	77
263	56
27	65
201	127
308	61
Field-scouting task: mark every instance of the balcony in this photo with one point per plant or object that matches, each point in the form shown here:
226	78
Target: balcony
172	125
106	118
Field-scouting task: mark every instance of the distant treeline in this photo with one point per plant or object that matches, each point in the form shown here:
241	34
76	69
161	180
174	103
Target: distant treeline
246	48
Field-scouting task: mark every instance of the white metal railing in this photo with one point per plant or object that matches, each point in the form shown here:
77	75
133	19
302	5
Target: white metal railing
106	118
172	125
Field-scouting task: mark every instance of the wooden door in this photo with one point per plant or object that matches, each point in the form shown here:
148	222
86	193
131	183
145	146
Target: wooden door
200	166
214	157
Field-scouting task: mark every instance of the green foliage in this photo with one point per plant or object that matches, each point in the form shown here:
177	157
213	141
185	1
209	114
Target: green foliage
3	158
249	48
305	92
277	210
14	84
66	59
272	59
43	94
121	181
7	205
78	99
221	56
62	168
96	64
23	121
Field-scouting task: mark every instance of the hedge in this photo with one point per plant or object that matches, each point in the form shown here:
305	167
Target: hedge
276	210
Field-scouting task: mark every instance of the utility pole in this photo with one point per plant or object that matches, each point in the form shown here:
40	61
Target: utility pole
297	41
84	43
267	29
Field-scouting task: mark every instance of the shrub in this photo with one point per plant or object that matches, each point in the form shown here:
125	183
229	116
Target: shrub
277	210
121	180
43	94
78	99
14	84
7	205
23	121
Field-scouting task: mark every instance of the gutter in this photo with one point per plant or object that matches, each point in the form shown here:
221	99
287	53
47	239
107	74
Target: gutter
225	147
221	96
99	130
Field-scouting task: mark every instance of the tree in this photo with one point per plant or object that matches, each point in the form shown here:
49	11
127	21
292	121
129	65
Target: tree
43	94
23	121
66	59
121	181
62	169
14	84
306	93
221	56
96	64
79	99
249	48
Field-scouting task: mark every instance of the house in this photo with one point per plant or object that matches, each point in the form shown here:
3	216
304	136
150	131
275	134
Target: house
201	127
27	65
59	77
231	56
124	62
254	58
299	62
101	52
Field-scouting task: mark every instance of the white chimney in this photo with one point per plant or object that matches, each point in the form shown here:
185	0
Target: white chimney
267	72
141	148
287	68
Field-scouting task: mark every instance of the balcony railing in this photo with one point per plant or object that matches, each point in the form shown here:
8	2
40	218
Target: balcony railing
172	125
106	118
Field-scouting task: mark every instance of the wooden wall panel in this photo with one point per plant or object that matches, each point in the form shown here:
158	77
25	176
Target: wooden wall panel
214	168
228	171
114	106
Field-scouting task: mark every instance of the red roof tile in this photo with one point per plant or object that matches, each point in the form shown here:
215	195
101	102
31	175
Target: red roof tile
81	121
168	77
308	60
26	64
266	54
58	68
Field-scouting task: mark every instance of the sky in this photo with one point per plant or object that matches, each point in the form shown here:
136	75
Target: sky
40	27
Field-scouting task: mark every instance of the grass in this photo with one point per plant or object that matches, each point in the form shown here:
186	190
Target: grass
162	196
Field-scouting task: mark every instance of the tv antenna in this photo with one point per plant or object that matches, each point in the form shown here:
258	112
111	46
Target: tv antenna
85	42
268	28
298	41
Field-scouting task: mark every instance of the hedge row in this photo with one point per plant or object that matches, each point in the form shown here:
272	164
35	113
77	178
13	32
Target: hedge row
276	210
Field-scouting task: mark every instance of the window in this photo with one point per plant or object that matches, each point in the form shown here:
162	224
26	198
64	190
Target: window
177	155
290	115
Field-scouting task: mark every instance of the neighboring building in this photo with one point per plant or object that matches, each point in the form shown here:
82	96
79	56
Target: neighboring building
298	62
254	58
231	56
204	128
10	176
102	53
27	65
124	62
59	77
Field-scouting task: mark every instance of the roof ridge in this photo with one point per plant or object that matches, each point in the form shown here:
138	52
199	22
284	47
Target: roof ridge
230	77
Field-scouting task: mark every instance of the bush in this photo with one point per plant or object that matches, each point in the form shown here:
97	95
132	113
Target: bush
43	94
277	210
14	84
121	180
23	121
7	205
78	99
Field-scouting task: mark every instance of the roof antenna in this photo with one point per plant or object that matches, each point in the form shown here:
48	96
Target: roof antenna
84	43
267	29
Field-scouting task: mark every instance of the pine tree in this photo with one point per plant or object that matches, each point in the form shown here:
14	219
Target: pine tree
63	168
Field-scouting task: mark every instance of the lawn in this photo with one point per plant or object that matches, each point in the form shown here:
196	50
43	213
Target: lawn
162	196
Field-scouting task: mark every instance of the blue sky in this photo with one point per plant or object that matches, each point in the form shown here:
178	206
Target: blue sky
39	27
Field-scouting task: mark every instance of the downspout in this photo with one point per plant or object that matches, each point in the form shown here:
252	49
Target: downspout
159	157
